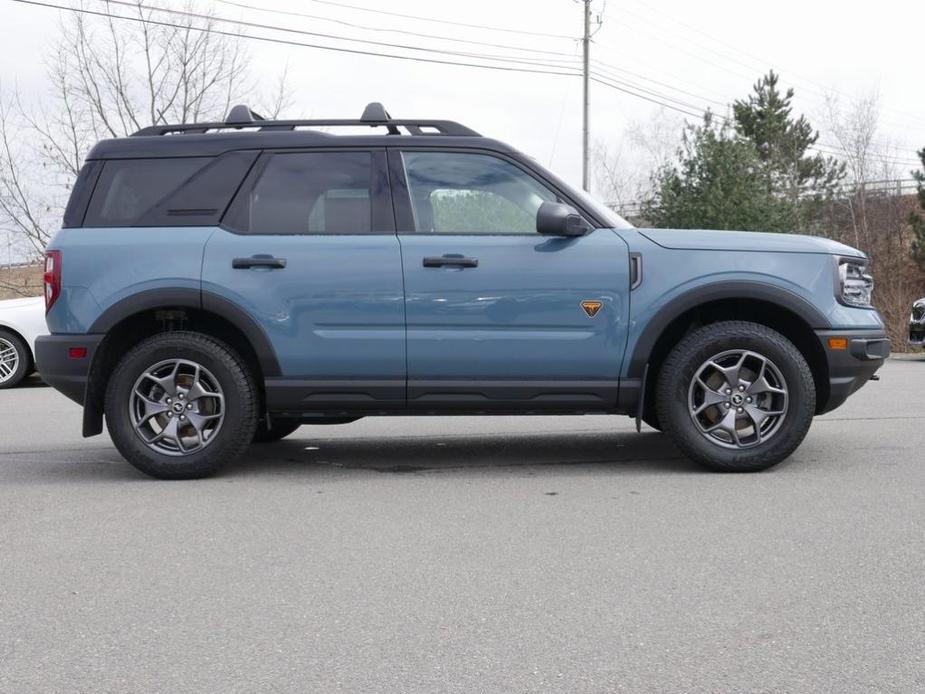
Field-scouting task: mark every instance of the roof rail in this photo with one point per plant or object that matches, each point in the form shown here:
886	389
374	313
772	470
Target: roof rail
374	115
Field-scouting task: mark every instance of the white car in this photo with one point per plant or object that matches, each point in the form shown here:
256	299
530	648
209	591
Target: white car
21	321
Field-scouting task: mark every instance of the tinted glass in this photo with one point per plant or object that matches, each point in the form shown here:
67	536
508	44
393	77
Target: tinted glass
310	193
80	194
128	188
202	200
459	193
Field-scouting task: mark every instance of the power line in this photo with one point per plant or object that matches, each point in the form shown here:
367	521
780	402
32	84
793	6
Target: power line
914	117
836	150
818	89
693	111
610	70
648	90
336	37
445	21
608	83
267	39
688	108
603	78
418	34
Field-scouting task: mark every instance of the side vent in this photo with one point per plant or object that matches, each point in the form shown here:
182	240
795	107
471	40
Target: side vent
635	270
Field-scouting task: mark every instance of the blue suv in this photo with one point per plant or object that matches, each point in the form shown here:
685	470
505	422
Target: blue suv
216	284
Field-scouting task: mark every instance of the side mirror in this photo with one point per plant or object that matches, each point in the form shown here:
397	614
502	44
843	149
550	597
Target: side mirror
558	219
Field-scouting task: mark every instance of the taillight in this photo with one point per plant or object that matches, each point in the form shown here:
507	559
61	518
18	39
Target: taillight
52	278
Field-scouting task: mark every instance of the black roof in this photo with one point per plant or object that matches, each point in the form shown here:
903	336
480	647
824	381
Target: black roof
244	129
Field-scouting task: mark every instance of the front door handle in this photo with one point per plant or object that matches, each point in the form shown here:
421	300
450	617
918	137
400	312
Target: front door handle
267	261
450	260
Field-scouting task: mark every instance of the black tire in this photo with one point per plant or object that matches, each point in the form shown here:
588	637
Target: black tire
675	382
280	429
23	356
239	405
651	420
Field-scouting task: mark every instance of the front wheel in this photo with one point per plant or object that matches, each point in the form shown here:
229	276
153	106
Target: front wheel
181	404
736	396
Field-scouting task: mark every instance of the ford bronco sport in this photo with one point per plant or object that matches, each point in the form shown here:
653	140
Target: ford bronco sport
220	283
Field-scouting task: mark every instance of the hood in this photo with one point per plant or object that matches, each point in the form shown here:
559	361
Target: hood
20	303
699	240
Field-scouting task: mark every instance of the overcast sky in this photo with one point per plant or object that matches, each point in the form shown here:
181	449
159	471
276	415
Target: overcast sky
712	49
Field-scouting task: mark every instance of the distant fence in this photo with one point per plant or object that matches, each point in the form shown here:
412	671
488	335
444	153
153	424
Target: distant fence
886	188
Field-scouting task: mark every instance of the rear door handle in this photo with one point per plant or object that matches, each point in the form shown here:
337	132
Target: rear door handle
450	260
266	261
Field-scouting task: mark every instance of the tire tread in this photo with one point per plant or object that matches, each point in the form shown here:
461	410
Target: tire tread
682	430
237	436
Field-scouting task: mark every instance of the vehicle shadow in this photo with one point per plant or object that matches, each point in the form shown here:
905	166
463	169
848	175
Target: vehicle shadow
621	451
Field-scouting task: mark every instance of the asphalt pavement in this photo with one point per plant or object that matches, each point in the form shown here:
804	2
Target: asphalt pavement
520	554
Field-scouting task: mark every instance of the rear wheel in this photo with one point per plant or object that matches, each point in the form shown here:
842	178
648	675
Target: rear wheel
736	396
15	359
181	404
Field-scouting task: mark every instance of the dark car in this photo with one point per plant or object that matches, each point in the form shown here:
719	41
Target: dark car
917	324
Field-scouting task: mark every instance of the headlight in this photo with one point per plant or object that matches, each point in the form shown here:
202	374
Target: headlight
856	286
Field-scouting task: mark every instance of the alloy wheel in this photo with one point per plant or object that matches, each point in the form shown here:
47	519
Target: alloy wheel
9	360
177	407
738	399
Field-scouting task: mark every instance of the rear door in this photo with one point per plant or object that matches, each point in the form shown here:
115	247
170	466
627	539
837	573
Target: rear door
308	249
498	316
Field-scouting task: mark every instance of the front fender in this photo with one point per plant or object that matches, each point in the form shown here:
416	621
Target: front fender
648	326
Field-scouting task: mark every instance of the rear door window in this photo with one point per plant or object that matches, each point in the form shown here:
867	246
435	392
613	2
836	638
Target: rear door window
313	193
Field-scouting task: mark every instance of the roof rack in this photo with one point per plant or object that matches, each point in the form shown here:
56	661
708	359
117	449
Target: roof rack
374	115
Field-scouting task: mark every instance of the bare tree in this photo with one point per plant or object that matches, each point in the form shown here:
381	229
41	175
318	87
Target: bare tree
110	77
617	181
623	172
871	211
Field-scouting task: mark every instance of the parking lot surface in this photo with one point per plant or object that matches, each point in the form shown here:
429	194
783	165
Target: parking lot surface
518	554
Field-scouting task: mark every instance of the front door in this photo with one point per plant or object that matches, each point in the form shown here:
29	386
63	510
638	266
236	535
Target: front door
499	317
308	249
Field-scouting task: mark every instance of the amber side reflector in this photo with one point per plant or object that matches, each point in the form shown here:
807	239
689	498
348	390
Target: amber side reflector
838	343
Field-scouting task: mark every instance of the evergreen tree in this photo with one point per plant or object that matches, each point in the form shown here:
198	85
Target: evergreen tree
783	144
917	219
717	183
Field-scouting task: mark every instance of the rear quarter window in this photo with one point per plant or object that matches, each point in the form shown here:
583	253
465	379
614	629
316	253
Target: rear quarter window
187	191
80	194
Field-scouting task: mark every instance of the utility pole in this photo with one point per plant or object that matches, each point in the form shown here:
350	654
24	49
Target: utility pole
585	76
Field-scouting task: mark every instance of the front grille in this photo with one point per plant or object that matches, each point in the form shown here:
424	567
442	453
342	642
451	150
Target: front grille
918	312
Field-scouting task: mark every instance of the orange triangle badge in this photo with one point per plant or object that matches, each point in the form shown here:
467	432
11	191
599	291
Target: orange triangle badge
591	307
